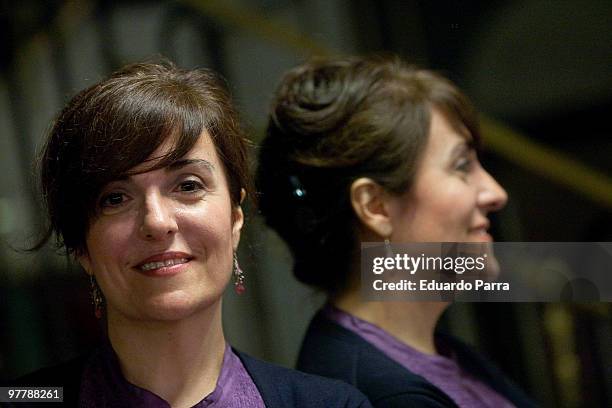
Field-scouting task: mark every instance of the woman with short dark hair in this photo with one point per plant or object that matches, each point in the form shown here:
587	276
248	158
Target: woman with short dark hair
143	176
371	150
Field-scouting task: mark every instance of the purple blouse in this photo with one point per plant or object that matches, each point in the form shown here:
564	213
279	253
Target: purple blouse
103	385
440	370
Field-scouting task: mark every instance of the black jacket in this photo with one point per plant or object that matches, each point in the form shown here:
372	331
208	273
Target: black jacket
333	351
279	387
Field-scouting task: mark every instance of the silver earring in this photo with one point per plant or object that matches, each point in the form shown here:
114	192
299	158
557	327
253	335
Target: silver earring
388	249
239	287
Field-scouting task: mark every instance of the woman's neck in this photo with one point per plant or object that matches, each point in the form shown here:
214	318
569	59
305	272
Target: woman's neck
413	323
178	361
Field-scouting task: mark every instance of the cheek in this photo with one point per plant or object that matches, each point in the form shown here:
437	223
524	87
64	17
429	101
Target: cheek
444	207
207	235
454	202
207	230
109	241
456	211
106	238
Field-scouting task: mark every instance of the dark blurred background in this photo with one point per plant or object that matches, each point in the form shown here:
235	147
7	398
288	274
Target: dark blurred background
539	71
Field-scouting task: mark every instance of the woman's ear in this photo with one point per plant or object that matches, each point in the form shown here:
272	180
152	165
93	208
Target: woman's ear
238	220
83	258
370	202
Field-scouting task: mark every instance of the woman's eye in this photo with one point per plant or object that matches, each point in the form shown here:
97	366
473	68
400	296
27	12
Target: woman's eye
464	165
112	200
190	186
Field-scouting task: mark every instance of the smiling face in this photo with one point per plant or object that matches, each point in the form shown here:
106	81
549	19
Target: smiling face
451	195
161	246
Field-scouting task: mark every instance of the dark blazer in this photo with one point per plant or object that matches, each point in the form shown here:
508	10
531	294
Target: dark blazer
279	387
333	351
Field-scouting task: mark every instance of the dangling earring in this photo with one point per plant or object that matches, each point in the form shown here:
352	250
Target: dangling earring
388	250
96	297
239	287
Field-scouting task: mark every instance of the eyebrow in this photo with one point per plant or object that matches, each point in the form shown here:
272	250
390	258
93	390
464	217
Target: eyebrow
179	164
459	148
462	147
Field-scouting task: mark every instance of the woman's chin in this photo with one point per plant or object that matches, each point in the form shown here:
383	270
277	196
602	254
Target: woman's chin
167	308
171	312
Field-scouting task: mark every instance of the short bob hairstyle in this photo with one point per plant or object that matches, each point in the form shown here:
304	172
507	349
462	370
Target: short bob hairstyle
333	121
111	127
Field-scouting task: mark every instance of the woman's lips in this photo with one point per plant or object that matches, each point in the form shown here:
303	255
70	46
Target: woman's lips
164	264
165	270
480	233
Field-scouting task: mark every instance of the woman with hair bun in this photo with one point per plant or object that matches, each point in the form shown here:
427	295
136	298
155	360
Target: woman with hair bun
143	176
365	150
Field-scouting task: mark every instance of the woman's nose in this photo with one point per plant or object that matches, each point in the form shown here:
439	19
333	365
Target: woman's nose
492	196
158	218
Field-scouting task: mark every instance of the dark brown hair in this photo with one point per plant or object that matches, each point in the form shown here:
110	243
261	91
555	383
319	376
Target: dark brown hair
333	121
111	127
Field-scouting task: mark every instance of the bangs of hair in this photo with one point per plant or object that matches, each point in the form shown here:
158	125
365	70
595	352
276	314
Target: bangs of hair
130	126
136	124
112	129
457	109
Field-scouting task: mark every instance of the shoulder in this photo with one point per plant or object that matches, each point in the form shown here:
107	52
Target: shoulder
333	351
330	350
281	387
485	370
